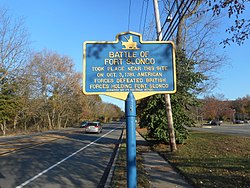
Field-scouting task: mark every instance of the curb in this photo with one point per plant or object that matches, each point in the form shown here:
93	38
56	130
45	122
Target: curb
111	172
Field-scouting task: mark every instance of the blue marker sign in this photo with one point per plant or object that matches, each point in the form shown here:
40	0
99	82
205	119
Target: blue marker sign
128	65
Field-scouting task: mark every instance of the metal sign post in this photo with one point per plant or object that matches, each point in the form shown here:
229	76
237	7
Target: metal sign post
129	69
130	111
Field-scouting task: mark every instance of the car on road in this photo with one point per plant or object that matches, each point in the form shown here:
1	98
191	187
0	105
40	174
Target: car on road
247	121
239	122
93	127
215	122
83	124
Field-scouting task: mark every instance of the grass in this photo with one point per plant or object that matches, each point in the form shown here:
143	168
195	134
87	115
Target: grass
120	173
212	160
206	160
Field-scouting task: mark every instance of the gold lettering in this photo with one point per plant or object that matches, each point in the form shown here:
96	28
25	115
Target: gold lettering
113	61
140	86
149	68
141	61
144	53
164	68
121	86
112	74
134	68
157	86
97	68
147	74
99	86
129	80
111	54
104	80
129	74
156	80
122	54
115	68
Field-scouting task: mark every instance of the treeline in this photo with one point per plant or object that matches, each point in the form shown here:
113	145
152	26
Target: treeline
197	65
41	90
215	107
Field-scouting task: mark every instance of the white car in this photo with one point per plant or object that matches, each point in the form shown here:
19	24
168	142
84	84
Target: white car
93	127
239	122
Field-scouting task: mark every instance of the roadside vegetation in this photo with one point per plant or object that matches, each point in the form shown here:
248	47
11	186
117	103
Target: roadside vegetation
217	108
40	90
208	159
119	178
197	66
213	160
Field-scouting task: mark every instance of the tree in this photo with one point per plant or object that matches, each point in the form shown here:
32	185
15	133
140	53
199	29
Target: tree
40	90
54	87
194	69
9	103
112	112
14	43
240	30
242	108
216	107
152	109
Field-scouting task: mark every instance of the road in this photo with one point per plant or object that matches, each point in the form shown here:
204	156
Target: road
60	159
236	129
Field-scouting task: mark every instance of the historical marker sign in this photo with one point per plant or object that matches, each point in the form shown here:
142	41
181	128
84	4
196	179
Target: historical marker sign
128	64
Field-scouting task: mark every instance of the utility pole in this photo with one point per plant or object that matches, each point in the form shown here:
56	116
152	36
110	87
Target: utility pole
167	96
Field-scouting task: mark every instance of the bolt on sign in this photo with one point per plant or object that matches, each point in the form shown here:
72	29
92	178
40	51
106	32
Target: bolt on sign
114	68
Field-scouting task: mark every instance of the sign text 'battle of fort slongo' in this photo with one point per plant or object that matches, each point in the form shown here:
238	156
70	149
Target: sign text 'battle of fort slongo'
128	64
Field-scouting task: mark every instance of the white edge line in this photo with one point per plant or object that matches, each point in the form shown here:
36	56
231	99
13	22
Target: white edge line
53	166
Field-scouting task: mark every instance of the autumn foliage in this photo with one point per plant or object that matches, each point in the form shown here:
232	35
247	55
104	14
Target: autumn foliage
41	90
217	108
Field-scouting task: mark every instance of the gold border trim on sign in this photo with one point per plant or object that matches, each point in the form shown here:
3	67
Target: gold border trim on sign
128	45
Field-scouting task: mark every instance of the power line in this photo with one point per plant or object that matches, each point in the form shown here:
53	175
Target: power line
191	2
145	18
174	20
170	11
151	26
141	15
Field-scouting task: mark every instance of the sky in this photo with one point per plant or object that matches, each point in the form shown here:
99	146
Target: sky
63	25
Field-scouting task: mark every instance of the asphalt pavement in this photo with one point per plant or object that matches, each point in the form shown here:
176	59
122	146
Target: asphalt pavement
231	129
75	159
80	160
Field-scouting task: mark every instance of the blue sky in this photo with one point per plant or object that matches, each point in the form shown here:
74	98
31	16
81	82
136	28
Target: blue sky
63	25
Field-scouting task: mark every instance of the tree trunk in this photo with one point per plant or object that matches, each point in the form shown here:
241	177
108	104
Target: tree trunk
3	127
66	122
173	146
49	121
59	122
192	11
53	118
36	123
179	37
15	122
25	126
